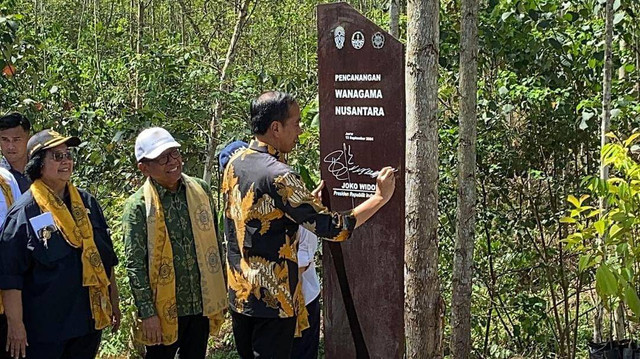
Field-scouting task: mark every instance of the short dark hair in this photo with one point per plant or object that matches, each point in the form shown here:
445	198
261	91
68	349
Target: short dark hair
14	119
33	169
270	106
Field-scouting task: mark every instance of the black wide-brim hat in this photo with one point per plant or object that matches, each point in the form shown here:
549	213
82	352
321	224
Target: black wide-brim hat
49	138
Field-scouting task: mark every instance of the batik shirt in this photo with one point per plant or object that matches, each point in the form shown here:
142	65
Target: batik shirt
265	202
185	261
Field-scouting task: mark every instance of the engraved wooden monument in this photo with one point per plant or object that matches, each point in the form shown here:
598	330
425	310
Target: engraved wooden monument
362	129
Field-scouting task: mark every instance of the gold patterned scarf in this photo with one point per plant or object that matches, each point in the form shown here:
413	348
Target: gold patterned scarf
77	230
161	269
6	191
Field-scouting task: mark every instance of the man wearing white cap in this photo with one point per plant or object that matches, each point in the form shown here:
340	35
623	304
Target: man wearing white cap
172	253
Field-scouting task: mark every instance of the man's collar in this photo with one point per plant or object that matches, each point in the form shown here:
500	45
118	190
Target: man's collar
162	191
5	164
263	147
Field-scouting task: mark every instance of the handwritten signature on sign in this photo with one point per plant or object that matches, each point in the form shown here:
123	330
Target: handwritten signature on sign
341	164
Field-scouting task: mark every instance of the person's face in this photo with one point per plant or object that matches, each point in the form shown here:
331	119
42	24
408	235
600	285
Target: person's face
13	142
287	132
165	169
58	165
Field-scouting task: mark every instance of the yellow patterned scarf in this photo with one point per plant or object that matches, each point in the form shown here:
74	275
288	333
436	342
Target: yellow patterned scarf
77	230
161	269
6	191
8	198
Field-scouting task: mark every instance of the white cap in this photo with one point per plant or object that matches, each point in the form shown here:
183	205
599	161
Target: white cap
151	142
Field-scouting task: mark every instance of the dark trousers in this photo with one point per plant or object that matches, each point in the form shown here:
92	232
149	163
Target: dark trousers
264	338
193	333
306	347
84	347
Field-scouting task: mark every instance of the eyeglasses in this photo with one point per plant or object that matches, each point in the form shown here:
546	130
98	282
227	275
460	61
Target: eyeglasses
61	156
164	159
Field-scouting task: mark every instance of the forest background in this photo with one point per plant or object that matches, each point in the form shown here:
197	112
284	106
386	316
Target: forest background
105	69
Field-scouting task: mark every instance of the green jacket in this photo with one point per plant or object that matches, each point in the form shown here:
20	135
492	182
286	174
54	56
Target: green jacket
188	293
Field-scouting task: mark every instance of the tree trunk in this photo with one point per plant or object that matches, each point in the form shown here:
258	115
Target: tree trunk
153	20
132	6
606	84
606	119
597	322
636	53
43	20
35	17
196	28
183	35
394	18
424	308
217	108
622	72
619	322
138	95
80	23
96	9
466	209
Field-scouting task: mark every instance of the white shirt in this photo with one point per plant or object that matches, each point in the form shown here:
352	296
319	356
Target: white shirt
307	246
15	191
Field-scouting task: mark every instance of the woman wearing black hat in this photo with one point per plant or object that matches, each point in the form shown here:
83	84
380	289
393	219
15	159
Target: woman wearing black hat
56	261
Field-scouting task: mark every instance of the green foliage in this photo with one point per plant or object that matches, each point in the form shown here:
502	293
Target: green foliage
81	69
539	102
606	239
77	68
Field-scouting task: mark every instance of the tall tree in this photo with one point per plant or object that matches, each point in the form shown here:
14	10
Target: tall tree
394	18
243	13
137	101
196	28
636	51
96	9
604	129
132	7
466	209
620	315
423	302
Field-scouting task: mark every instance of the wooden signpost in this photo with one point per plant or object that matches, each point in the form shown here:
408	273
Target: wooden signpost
362	130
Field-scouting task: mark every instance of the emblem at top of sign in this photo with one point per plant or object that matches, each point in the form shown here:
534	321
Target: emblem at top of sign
339	36
357	40
377	40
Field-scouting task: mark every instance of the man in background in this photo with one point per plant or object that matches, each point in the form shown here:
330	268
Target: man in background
14	135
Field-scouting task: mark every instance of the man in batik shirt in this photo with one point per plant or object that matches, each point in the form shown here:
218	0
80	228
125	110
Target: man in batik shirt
172	255
265	202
